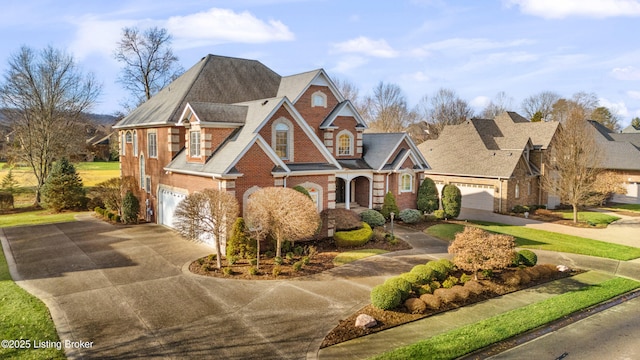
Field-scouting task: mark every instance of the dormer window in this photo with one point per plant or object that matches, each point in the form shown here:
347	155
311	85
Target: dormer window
318	99
194	143
345	143
282	138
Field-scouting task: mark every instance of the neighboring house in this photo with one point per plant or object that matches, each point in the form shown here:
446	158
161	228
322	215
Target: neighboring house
621	154
496	163
631	130
235	125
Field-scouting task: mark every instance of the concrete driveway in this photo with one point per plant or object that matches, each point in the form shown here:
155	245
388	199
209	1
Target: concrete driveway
127	290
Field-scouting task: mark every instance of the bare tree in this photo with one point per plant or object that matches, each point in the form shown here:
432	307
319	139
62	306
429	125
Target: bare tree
282	213
541	103
148	62
112	191
605	117
44	95
576	159
208	213
348	89
475	249
386	110
443	108
562	108
499	104
606	185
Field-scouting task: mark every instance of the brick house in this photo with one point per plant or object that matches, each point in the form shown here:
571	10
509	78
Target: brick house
496	163
235	125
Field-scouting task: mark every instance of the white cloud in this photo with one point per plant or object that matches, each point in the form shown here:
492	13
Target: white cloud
480	102
634	94
559	9
365	46
619	107
420	76
216	26
626	73
96	36
473	44
349	63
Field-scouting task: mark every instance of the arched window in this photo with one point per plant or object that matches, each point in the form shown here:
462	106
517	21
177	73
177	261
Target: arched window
406	183
282	138
129	137
345	143
318	99
517	191
142	170
135	143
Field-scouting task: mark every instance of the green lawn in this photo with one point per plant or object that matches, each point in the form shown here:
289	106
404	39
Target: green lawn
92	173
626	207
350	256
592	218
35	218
25	317
461	341
545	240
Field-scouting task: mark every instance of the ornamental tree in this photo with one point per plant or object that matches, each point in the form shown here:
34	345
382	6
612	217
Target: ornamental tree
451	201
428	196
475	249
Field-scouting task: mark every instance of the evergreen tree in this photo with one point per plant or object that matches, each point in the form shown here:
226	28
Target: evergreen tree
130	208
63	188
9	182
389	206
451	201
240	242
537	117
428	196
635	122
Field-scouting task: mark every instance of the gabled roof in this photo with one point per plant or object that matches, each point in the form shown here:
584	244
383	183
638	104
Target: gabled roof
216	113
377	149
294	86
618	153
214	79
344	108
486	147
631	130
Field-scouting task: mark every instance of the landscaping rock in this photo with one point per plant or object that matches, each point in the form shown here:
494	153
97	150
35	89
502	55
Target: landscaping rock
563	268
365	321
431	300
415	306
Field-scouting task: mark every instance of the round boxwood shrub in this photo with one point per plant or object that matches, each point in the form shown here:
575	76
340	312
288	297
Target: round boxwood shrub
372	217
414	279
438	214
527	257
425	272
385	297
353	238
439	270
401	284
448	265
410	216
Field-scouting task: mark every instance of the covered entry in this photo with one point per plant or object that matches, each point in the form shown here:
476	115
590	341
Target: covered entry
354	190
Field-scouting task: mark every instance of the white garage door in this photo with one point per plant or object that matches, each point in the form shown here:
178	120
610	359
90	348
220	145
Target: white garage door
476	196
631	197
169	200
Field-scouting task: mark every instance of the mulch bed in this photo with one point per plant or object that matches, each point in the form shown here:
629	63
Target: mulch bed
346	329
321	261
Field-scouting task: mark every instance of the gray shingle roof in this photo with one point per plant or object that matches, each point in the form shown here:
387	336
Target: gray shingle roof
630	129
220	113
485	147
618	152
214	79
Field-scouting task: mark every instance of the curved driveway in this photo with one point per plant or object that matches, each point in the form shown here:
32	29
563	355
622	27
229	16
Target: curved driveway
126	289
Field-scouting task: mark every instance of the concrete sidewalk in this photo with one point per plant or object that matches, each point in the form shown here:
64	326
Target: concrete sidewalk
403	335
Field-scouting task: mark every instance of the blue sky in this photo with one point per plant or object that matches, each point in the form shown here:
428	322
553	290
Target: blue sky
477	48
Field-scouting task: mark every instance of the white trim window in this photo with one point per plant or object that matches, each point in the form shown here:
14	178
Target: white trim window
123	144
319	99
152	144
194	143
517	191
128	137
282	138
345	143
135	143
142	172
406	182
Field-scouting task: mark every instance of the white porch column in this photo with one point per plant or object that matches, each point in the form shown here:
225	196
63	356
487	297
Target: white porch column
371	193
347	194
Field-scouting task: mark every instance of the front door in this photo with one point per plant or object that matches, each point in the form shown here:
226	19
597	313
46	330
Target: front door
340	190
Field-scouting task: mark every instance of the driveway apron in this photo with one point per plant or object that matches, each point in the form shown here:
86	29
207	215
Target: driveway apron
127	289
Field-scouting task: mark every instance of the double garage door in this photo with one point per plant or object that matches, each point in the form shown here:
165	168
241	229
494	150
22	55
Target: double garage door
631	197
474	196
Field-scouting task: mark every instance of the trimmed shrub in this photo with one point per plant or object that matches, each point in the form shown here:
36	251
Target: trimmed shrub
276	271
410	216
446	295
232	259
461	292
440	271
301	189
424	289
372	217
414	279
289	256
474	287
439	214
432	301
297	266
385	297
130	208
428	196
447	264
512	279
520	209
450	282
344	219
278	260
465	277
525	278
378	234
353	238
389	206
306	260
401	284
227	271
527	257
533	272
415	306
425	272
240	243
451	201
253	271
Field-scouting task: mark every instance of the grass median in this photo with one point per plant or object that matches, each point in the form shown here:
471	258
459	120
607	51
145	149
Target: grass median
544	240
24	317
466	339
37	217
